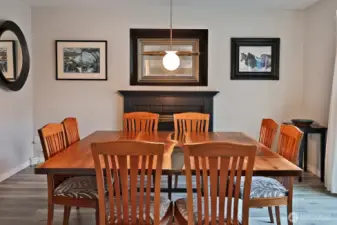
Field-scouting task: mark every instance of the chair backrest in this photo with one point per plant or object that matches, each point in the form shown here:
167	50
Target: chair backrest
71	130
52	139
142	160
289	142
224	163
268	132
191	122
140	121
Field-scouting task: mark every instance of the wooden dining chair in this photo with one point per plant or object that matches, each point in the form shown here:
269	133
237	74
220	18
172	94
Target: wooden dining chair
71	130
268	132
269	192
190	122
80	191
140	121
127	163
216	167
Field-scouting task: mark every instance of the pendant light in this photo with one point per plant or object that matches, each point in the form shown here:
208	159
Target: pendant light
171	60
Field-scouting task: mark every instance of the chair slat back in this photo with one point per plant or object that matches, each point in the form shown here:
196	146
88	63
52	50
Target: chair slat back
218	166
140	121
268	132
52	139
191	122
289	142
139	161
71	130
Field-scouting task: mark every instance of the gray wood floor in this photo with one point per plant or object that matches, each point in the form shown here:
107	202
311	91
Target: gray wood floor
23	201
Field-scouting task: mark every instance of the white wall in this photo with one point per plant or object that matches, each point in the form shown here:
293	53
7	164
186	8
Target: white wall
319	57
240	105
16	114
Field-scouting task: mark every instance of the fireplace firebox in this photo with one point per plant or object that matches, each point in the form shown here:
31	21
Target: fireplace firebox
166	103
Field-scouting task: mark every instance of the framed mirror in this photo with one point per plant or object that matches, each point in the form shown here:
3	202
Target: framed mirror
14	56
149	70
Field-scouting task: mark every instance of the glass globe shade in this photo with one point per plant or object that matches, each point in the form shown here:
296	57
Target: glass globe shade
171	61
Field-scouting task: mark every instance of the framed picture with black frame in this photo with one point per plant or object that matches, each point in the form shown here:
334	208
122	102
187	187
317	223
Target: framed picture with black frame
255	58
81	60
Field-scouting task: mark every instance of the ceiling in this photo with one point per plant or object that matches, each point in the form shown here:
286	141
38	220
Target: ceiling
265	4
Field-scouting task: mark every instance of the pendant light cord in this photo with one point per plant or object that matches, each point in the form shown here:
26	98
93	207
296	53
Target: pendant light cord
171	15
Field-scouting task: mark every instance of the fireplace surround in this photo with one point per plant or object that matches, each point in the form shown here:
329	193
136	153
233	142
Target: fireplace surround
166	103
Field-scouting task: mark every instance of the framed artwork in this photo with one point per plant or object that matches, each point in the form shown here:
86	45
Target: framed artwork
81	60
255	58
8	59
149	69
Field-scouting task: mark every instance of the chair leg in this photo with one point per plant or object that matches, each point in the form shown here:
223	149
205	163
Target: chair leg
176	181
50	214
270	210
290	201
66	214
290	212
278	217
97	215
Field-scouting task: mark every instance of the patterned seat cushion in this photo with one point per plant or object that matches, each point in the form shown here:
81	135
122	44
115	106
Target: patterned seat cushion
181	205
165	204
81	187
265	187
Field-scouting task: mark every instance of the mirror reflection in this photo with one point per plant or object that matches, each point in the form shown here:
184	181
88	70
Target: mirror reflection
10	56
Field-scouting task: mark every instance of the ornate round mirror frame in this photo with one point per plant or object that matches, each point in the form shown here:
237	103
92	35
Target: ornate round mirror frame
20	82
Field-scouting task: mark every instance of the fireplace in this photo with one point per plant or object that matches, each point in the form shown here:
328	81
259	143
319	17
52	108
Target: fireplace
166	103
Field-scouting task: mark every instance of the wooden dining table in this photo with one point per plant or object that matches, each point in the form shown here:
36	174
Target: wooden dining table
77	158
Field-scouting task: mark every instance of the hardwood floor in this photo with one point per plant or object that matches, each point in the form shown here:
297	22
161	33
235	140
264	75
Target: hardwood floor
23	201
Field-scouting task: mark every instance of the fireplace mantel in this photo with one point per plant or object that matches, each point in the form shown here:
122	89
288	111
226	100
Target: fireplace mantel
166	103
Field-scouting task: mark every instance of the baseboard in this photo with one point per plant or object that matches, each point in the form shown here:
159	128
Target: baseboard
314	170
8	174
36	160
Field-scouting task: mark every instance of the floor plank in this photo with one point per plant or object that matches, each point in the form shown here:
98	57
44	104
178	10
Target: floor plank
23	200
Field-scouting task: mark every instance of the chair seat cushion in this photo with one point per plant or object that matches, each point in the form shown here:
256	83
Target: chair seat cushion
165	204
265	187
181	205
81	187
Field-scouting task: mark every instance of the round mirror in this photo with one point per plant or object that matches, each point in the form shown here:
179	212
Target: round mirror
14	56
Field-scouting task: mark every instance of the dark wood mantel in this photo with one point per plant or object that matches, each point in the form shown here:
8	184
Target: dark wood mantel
166	103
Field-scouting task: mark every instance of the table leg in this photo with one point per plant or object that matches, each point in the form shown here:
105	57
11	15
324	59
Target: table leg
169	186
305	149
323	151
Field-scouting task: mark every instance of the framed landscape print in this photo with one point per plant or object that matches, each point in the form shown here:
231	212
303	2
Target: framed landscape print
255	58
81	60
149	69
8	59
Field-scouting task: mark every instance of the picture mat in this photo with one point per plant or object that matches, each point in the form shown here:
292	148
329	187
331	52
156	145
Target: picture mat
257	51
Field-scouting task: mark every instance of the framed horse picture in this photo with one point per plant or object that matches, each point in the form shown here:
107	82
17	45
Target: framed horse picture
255	58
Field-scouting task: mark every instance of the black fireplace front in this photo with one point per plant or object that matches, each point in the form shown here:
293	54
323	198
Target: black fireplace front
166	103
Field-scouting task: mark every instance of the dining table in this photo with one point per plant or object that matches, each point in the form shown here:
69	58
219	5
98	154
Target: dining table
77	158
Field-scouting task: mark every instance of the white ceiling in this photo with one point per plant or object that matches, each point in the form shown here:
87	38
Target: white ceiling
265	4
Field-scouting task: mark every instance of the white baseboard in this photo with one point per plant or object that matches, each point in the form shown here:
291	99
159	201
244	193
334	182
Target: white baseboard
8	174
36	160
314	170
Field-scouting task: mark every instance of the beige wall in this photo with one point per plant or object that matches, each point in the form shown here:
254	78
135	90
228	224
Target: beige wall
240	105
319	58
16	114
